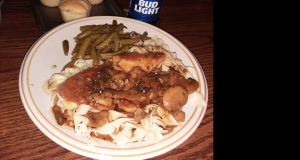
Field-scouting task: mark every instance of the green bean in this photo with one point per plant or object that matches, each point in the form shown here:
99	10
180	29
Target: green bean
76	39
125	48
80	41
94	36
87	56
74	57
65	47
124	36
87	32
99	40
68	65
119	27
83	47
129	41
107	40
116	44
114	22
84	34
110	55
83	28
106	57
110	29
94	56
121	32
134	34
96	27
98	31
74	53
108	47
101	29
144	36
76	48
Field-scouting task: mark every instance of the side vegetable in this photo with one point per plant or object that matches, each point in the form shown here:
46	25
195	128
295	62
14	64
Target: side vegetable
99	42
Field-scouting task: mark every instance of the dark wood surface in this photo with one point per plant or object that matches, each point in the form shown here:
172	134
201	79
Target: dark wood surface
191	21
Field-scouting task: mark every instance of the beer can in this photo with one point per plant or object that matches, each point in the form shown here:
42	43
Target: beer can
145	10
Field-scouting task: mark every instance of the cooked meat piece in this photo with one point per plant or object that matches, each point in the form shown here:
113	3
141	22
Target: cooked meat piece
101	102
80	86
127	105
126	61
131	95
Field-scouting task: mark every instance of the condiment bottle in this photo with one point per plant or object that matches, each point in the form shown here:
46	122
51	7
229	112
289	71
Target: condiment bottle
145	10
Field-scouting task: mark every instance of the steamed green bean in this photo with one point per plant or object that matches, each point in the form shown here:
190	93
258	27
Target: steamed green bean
98	42
129	41
83	47
107	40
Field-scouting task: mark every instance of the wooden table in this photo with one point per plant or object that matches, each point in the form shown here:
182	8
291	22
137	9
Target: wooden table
191	21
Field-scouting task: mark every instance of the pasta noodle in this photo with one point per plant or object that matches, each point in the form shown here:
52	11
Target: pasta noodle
123	128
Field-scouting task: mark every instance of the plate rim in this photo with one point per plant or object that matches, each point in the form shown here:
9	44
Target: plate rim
42	128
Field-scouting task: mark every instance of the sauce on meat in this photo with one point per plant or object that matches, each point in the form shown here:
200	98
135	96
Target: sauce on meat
107	87
80	86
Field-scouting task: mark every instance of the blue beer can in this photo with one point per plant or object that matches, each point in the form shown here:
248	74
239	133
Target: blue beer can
145	10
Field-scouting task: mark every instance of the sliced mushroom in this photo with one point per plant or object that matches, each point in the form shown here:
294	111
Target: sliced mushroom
175	97
97	119
177	79
59	116
179	115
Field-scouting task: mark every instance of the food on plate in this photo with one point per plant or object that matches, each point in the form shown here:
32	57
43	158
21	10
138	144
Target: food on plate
133	93
127	61
93	2
65	45
50	3
74	9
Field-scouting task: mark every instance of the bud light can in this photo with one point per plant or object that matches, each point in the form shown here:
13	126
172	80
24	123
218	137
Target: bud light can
145	10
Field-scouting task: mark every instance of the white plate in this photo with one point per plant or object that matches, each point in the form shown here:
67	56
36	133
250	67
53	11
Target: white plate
47	52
